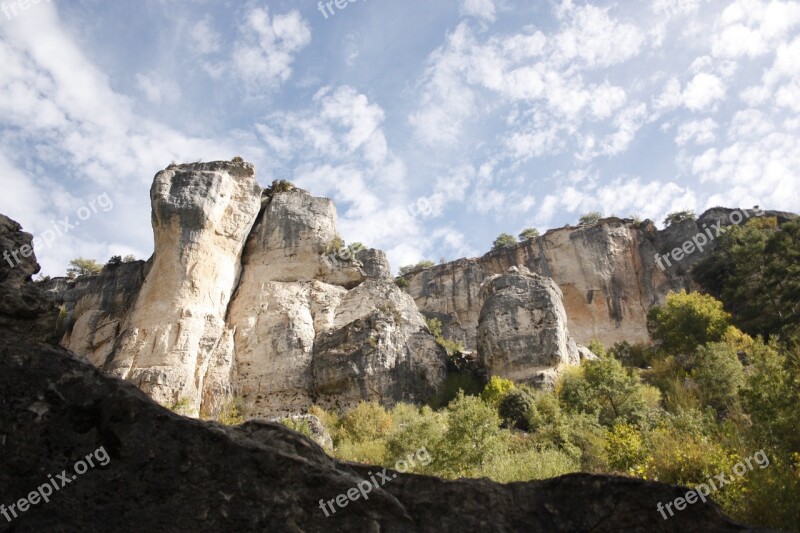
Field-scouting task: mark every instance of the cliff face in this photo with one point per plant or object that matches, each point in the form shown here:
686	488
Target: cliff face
607	273
242	298
160	471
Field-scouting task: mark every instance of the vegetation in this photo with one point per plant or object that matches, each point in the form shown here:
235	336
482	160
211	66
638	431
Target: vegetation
590	219
504	240
451	346
528	234
230	413
419	266
679	216
83	267
278	186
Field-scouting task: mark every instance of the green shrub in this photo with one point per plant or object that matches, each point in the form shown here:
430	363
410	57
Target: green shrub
368	421
719	374
300	425
83	267
402	282
495	390
231	412
528	234
514	406
687	320
419	266
590	219
529	465
679	216
504	240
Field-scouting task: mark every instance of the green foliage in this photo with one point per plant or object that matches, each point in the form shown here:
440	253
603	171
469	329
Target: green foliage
451	346
514	407
597	348
130	258
687	320
635	355
606	389
368	421
115	260
356	247
529	465
279	186
83	267
334	245
419	266
237	159
473	437
420	428
528	234
755	271
495	390
504	240
181	406
625	448
402	282
590	219
720	375
231	412
679	216
300	425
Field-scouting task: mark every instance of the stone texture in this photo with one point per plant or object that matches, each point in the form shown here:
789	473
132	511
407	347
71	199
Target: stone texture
202	214
246	296
607	275
522	330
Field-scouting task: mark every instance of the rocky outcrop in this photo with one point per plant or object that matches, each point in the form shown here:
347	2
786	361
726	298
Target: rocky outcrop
607	274
522	330
249	293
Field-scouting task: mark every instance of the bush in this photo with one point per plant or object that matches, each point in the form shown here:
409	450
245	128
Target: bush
514	407
299	425
451	346
504	240
495	390
419	266
687	320
368	421
590	219
529	465
402	282
679	216
83	267
115	260
625	448
719	374
528	234
231	412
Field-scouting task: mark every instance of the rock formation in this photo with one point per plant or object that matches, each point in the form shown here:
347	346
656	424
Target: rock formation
607	274
247	294
160	471
522	330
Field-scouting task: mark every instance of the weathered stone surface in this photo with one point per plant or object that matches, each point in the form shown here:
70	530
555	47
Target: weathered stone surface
242	286
522	331
202	214
19	298
607	274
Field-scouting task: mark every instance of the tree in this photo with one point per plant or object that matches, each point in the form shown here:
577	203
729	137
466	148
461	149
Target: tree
679	216
473	436
604	387
528	234
755	271
426	263
514	407
83	267
720	375
590	219
130	258
504	240
687	320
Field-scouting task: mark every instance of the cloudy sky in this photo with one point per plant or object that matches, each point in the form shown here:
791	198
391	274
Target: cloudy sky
435	125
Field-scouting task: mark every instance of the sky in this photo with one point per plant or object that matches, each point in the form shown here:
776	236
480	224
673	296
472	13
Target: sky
434	125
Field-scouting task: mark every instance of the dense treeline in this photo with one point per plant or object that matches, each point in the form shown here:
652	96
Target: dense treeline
720	381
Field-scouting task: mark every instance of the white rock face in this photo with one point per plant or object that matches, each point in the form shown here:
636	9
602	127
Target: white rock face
202	214
522	331
245	296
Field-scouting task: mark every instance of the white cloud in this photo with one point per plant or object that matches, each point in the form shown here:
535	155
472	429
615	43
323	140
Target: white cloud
264	56
696	131
480	9
157	89
703	91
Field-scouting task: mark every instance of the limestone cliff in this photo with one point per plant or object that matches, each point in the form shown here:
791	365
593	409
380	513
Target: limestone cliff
242	298
607	274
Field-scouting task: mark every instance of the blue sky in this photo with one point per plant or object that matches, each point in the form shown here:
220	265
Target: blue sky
434	125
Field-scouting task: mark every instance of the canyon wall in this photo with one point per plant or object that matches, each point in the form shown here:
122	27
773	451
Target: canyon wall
607	273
